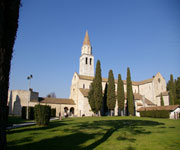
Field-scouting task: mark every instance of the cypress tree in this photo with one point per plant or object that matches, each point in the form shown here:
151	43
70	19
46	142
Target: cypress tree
120	94
130	99
104	106
172	91
91	98
178	91
111	99
98	88
162	101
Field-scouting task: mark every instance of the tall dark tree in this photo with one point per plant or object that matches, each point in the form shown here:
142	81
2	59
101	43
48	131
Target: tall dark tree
91	98
162	100
120	94
9	14
111	99
104	109
172	91
178	91
98	88
130	97
168	85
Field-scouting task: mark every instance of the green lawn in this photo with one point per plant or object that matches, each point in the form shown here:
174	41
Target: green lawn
101	133
16	120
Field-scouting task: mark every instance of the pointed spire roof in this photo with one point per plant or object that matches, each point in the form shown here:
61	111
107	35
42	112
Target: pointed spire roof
86	39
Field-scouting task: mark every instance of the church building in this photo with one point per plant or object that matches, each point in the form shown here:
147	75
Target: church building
146	92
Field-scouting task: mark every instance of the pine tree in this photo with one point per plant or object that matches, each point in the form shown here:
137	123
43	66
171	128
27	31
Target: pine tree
111	99
178	91
91	98
98	88
130	98
162	101
120	94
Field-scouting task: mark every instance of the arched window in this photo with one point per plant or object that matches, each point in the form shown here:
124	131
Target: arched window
90	61
83	86
86	60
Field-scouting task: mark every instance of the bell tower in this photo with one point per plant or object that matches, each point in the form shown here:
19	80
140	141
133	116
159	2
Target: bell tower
86	66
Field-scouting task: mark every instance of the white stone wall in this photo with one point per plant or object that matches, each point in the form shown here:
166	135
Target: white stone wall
159	86
165	98
174	113
146	90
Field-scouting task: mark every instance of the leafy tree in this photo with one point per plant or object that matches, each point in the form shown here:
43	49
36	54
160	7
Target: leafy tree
104	105
120	94
178	91
130	98
97	85
91	98
162	101
111	99
9	14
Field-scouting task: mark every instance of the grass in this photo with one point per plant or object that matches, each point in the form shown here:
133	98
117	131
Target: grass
99	133
16	120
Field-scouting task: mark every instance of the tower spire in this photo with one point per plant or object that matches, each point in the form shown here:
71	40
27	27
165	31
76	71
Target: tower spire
86	39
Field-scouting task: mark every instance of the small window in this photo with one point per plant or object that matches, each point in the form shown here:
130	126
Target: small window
86	60
159	80
83	86
90	61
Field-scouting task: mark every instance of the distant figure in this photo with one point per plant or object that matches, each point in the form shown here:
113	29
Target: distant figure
60	118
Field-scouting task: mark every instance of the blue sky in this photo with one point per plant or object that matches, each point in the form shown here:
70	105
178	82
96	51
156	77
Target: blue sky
141	34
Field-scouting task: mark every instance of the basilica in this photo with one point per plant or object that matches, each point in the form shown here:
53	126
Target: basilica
146	92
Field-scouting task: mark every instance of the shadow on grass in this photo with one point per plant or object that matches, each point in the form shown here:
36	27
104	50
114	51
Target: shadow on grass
79	135
37	128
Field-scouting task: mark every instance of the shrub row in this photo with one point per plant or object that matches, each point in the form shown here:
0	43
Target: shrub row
30	112
53	112
42	114
155	114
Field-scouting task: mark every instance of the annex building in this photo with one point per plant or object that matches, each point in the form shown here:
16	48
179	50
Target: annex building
146	93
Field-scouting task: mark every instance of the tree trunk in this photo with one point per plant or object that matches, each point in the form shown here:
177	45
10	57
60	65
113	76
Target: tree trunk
9	14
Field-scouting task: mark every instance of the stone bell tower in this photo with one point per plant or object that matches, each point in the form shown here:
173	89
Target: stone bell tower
86	66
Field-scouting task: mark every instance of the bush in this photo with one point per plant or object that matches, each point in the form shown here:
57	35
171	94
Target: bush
30	112
53	112
155	113
42	114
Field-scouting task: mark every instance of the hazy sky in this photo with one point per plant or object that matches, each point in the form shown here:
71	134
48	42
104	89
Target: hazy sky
141	34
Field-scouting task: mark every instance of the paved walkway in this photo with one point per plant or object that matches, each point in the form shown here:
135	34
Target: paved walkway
26	124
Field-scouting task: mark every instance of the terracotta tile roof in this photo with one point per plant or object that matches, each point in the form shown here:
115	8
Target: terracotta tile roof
124	81
84	92
166	93
55	100
136	96
139	104
170	108
86	39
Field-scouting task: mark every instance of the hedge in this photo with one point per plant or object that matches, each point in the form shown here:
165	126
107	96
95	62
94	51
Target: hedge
30	112
53	112
42	114
155	114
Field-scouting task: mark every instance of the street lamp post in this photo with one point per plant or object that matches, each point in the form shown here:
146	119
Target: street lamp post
27	112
